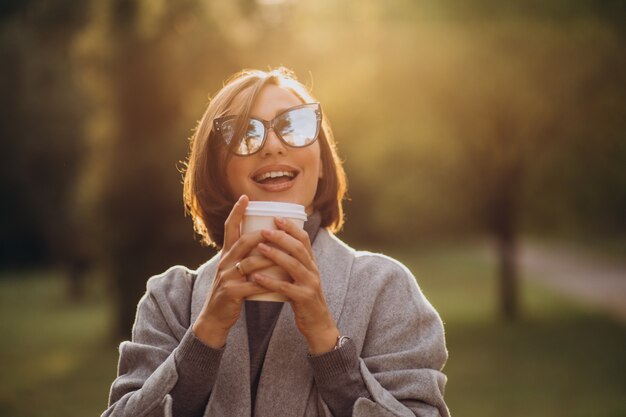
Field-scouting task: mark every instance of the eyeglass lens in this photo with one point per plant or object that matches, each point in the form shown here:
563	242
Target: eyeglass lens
297	128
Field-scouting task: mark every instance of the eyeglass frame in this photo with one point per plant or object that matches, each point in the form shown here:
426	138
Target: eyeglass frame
267	125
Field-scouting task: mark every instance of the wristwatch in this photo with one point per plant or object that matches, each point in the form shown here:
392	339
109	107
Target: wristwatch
341	340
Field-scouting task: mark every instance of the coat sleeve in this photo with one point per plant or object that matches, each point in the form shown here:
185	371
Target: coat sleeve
147	364
403	350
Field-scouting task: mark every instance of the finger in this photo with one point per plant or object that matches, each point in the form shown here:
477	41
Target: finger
295	231
240	249
285	288
290	245
240	290
254	263
232	274
247	289
294	267
247	266
232	225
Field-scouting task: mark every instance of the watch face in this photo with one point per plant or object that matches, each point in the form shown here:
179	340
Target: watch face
341	340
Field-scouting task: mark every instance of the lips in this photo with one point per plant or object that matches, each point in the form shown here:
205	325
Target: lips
271	175
271	172
275	177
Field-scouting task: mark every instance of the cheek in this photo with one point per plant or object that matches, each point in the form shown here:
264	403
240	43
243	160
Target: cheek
315	166
320	164
236	173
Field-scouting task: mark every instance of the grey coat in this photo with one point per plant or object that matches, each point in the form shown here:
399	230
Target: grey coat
374	299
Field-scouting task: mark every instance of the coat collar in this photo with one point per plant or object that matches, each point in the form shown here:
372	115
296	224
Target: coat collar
286	379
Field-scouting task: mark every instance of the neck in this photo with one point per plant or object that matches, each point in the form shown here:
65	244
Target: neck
312	225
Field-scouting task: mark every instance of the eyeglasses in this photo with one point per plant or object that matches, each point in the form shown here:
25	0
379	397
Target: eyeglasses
297	127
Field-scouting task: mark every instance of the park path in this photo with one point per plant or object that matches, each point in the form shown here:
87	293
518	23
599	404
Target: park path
595	281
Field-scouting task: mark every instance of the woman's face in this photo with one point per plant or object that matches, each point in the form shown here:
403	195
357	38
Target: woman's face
247	174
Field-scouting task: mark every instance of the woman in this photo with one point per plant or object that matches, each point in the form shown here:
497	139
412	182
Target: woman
358	337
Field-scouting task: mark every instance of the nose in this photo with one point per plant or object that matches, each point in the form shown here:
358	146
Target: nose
273	145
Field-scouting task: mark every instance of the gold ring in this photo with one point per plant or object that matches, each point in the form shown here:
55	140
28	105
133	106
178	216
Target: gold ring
238	266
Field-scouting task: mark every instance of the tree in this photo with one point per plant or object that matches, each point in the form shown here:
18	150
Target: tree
41	130
521	114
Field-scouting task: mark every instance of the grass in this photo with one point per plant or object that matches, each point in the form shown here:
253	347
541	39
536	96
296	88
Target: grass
55	355
558	360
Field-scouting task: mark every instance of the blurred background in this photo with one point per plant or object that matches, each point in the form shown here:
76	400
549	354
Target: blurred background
485	146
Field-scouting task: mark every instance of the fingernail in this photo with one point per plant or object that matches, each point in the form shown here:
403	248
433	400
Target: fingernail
258	277
280	220
268	232
263	247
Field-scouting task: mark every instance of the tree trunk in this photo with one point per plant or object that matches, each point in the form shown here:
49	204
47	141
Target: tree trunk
129	290
76	276
508	272
503	212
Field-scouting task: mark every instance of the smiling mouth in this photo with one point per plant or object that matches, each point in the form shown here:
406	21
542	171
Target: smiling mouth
275	177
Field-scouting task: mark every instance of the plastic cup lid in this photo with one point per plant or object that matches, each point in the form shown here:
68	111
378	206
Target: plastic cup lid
276	209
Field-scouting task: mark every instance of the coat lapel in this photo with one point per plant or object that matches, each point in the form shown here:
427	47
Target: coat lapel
202	286
287	378
334	261
231	392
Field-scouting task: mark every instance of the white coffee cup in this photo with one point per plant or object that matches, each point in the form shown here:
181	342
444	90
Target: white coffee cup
260	215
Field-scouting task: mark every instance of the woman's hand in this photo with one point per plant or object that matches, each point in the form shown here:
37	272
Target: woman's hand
294	255
230	287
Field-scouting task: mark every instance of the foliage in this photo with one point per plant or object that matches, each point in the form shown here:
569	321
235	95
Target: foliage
41	138
452	119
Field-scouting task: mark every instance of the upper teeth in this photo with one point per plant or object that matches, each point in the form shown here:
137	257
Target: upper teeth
274	174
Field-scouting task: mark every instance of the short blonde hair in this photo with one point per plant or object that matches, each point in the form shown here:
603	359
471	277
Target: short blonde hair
206	193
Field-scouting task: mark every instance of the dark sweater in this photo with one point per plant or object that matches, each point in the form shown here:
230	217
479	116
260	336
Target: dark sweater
336	373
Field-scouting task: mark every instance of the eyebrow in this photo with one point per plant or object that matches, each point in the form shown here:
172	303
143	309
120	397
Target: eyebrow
281	112
278	114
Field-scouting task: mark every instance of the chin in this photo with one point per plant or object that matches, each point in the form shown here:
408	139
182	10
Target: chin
287	199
